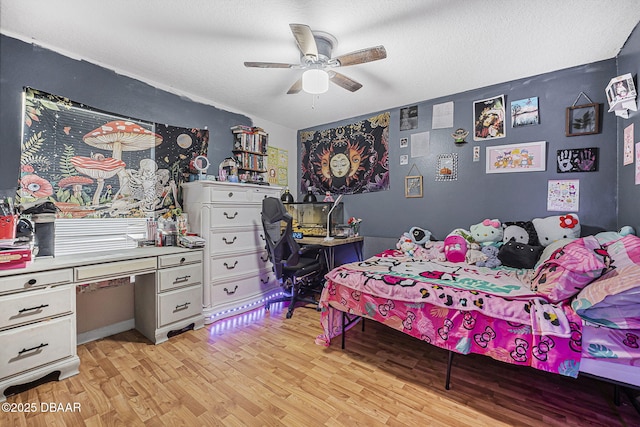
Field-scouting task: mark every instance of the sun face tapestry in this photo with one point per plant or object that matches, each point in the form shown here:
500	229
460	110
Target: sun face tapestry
95	164
348	159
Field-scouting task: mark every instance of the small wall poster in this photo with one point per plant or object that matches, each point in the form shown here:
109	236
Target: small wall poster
524	112
420	144
563	195
278	164
628	145
489	117
637	163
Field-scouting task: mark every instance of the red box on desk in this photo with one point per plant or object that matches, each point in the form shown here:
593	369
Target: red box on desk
8	227
14	258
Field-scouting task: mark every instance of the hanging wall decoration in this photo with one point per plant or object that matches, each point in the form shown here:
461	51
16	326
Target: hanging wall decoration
489	117
582	119
577	160
447	167
94	164
524	112
413	183
527	157
347	160
563	195
621	95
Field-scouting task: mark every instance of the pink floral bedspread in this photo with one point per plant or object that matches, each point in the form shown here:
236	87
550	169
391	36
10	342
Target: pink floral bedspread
459	307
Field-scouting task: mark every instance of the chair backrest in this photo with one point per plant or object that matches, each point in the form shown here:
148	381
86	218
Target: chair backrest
282	248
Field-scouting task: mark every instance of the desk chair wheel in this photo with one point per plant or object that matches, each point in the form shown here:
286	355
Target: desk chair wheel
289	314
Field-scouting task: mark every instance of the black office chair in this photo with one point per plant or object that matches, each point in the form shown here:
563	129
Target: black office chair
300	270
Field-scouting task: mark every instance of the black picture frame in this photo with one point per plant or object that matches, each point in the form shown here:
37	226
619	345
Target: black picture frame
577	160
583	120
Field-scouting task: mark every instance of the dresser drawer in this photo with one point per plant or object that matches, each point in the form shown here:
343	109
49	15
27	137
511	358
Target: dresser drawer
235	216
225	292
35	305
178	277
34	280
227	240
35	345
113	269
179	259
179	304
225	265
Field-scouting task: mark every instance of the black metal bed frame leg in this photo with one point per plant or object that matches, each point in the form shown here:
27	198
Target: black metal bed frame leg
447	381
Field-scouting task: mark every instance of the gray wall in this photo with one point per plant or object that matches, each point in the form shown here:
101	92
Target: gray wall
23	64
507	196
629	193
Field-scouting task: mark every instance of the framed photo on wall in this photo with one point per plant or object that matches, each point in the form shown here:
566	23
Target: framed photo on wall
525	157
413	186
583	120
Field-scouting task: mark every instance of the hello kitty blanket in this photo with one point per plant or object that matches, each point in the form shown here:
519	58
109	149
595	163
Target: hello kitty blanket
459	307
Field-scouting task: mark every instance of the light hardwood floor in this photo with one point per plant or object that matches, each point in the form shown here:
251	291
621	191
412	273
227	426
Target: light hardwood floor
264	370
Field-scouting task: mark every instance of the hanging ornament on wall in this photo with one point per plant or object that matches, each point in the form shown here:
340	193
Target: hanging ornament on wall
459	135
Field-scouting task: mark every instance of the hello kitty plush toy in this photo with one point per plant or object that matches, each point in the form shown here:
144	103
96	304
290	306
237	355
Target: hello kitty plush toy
488	232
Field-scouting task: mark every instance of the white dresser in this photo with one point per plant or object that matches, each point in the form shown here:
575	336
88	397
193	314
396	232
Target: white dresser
238	275
38	307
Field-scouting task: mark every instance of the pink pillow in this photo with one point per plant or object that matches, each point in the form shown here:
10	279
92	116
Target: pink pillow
570	268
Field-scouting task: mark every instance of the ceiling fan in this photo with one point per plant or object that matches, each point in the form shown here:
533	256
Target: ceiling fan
315	48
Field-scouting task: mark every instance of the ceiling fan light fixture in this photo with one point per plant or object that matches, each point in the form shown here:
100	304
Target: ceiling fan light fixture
315	81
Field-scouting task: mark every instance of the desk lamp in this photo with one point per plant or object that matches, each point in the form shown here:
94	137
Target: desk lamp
328	238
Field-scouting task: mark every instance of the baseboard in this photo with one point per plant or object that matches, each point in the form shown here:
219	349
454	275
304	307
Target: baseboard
106	331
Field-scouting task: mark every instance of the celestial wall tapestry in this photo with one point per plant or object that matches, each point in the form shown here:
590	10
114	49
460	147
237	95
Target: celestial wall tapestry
348	159
95	164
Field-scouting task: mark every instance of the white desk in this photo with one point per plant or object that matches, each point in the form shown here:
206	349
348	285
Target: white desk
38	312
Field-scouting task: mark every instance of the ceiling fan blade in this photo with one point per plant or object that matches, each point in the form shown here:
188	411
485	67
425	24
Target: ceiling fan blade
362	56
344	81
269	65
296	87
305	40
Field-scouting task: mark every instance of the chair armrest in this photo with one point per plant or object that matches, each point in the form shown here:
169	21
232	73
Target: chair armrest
310	248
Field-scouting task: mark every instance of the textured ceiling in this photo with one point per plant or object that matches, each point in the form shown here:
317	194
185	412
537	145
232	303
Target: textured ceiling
196	48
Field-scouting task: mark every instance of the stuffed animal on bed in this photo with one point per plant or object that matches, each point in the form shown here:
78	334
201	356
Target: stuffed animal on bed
488	232
492	261
433	250
420	235
554	228
455	248
519	255
407	245
520	231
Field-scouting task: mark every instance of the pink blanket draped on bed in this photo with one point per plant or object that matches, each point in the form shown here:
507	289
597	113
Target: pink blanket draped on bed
459	307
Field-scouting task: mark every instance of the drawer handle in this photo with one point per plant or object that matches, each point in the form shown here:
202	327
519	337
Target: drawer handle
231	292
263	281
33	308
264	259
38	347
182	306
231	217
182	260
32	282
230	194
232	267
182	279
230	242
262	236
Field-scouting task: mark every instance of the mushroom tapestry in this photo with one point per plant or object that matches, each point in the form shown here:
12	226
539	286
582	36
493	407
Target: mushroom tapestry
348	159
95	164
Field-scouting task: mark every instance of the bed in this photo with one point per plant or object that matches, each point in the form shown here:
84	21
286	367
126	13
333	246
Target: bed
577	311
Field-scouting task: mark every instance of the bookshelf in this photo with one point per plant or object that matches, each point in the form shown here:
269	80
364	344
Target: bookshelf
250	148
